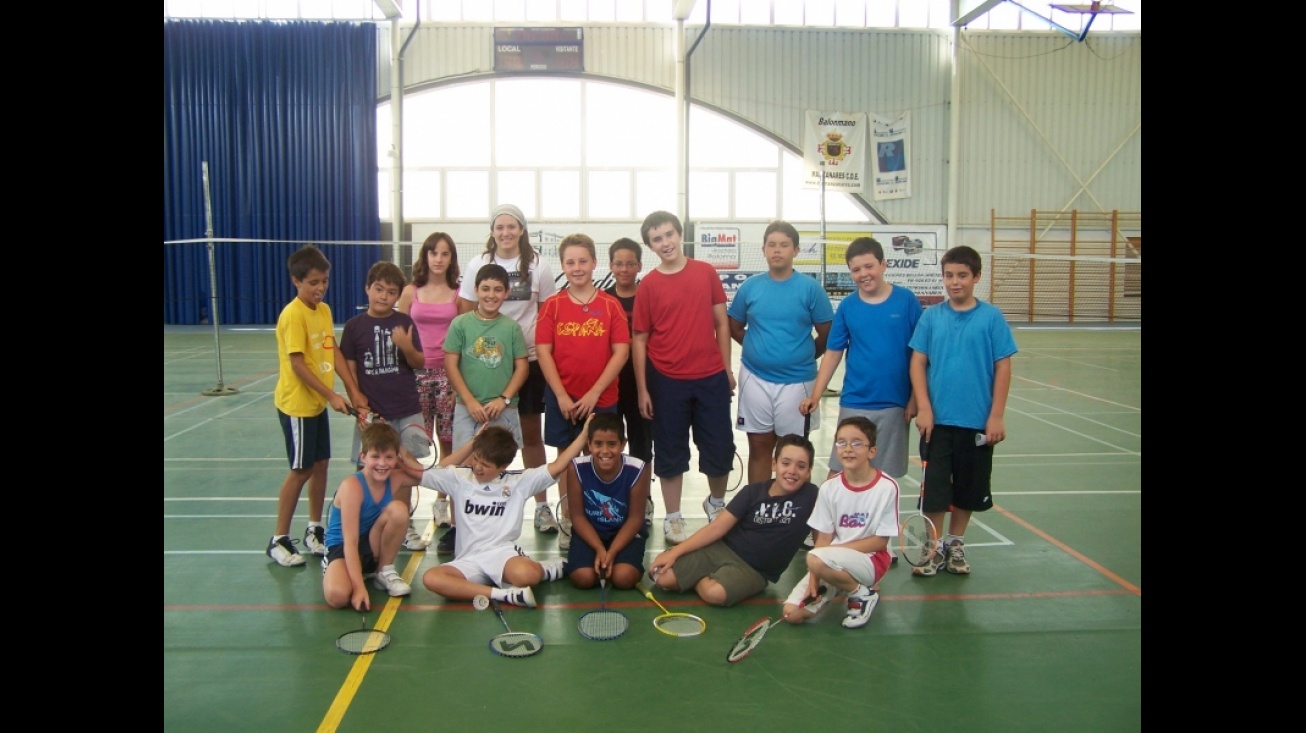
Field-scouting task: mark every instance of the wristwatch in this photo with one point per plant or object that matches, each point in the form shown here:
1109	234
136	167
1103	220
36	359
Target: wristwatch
506	399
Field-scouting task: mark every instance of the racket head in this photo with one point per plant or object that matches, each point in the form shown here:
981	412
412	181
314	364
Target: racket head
749	640
602	625
419	449
362	641
918	540
516	644
680	624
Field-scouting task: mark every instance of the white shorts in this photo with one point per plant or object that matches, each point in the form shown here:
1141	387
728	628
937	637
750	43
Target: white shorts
486	567
857	564
767	407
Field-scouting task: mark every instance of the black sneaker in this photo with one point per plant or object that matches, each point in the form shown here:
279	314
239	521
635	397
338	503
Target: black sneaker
283	551
446	543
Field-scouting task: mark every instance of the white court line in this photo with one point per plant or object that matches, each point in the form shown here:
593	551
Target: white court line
1060	411
1037	355
208	420
1079	394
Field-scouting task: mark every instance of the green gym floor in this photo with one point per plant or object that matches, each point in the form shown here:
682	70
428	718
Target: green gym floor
1044	635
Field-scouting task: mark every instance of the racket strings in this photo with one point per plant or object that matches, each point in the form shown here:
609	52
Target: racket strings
363	641
749	641
516	644
602	625
680	624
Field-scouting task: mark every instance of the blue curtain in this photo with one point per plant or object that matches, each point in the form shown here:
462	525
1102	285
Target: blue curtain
285	116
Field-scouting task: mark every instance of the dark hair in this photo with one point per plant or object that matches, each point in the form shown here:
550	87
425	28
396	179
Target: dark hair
495	444
657	219
799	441
864	246
387	272
861	423
526	252
422	271
379	436
492	271
609	421
307	258
962	255
577	240
784	227
627	244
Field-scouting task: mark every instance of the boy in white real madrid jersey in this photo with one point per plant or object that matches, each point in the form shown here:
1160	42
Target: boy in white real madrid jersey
491	503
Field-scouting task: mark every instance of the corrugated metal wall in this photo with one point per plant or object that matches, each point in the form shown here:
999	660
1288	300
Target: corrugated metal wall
1041	115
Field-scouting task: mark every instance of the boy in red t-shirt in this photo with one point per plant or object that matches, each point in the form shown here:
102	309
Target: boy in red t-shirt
681	349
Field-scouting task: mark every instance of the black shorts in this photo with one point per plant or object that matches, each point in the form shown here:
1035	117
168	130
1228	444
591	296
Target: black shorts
337	552
958	473
530	398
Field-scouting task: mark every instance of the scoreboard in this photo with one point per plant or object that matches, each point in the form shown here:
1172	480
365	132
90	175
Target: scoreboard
539	49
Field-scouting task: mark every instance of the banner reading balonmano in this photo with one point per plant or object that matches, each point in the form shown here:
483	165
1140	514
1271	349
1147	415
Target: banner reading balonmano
837	139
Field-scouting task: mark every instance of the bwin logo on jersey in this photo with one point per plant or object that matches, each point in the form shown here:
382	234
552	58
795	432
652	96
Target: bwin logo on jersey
495	509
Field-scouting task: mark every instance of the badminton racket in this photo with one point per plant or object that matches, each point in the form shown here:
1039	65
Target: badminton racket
363	640
510	643
753	635
918	538
603	624
674	624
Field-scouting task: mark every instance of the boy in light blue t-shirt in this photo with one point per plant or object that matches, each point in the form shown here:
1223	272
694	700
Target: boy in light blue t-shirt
781	318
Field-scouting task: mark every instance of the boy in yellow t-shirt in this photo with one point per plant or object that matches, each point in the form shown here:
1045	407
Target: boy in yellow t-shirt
308	361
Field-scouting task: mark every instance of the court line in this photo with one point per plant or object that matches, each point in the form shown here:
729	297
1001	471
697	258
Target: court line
1072	552
1085	436
1079	394
1081	416
208	420
349	688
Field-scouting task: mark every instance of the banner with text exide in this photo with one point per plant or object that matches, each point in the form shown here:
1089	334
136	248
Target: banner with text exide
836	143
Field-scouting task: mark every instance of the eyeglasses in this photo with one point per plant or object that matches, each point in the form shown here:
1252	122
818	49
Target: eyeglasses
856	444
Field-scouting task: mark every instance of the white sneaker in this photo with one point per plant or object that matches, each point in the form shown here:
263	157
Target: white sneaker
555	569
814	607
544	521
524	597
712	509
389	581
860	607
284	552
315	540
440	512
673	531
414	541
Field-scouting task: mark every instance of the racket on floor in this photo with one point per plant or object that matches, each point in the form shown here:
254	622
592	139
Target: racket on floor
674	624
511	643
363	640
605	623
753	635
918	538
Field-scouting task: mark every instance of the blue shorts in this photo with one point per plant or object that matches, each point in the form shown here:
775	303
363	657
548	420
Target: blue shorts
308	439
701	404
958	473
559	432
581	555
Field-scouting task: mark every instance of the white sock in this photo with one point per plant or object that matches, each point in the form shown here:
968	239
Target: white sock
673	515
499	594
314	524
716	502
384	568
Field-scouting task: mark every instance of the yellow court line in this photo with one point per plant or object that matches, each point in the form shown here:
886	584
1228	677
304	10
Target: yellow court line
354	680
